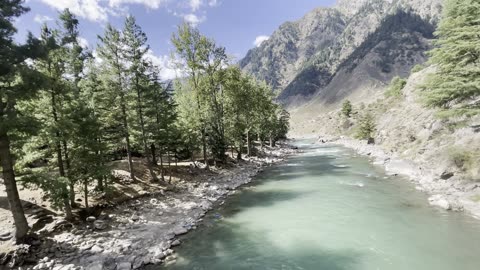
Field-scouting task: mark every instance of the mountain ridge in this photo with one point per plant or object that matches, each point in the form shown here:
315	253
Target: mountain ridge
300	66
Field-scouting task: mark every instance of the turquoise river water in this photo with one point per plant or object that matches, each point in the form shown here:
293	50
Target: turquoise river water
329	209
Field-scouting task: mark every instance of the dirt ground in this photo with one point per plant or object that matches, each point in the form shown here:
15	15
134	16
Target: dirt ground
39	212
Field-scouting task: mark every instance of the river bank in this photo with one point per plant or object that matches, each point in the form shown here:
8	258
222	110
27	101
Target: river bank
445	191
142	231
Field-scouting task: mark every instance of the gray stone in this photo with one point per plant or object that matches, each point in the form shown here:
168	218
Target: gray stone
95	266
440	201
100	225
180	231
91	219
124	266
176	243
96	249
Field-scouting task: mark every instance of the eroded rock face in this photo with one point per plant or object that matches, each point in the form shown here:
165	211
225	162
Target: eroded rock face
301	59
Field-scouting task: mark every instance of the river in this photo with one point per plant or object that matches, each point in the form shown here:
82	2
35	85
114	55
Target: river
329	209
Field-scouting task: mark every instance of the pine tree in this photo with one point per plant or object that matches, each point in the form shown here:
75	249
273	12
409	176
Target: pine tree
111	51
455	87
16	84
366	127
191	47
136	47
347	108
51	108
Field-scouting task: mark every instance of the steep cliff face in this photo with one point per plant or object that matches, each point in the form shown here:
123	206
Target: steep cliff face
279	59
369	41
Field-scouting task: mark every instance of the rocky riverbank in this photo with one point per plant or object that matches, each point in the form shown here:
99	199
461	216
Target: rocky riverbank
141	231
446	191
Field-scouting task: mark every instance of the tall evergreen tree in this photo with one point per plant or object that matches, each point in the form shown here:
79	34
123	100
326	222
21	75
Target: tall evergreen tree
191	47
136	47
16	84
51	108
455	86
111	51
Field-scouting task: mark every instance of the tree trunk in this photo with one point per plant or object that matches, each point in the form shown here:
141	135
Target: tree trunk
153	151
126	135
248	143
61	169
21	224
169	168
272	142
71	183
85	186
100	186
240	148
144	136
205	158
162	173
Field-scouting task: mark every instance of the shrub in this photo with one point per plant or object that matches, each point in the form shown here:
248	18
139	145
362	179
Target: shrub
461	158
366	127
417	68
396	87
347	108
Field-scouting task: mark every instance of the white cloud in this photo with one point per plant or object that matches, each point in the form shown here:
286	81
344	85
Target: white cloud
195	4
153	4
89	9
42	18
100	10
168	69
259	40
193	19
83	42
213	3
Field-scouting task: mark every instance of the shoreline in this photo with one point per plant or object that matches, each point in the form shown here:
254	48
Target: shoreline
451	195
144	230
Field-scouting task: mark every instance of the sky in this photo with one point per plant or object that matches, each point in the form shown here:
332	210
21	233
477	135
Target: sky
239	25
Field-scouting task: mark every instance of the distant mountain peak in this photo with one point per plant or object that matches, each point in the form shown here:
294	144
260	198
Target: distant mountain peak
301	59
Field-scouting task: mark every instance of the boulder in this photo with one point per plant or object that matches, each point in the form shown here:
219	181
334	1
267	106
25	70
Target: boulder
91	219
100	225
447	175
440	201
180	231
96	249
124	266
95	266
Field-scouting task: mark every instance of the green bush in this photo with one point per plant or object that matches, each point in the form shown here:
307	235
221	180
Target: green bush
347	108
396	87
417	68
461	158
366	127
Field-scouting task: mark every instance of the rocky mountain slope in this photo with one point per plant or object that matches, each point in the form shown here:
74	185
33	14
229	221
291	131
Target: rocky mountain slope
440	155
363	42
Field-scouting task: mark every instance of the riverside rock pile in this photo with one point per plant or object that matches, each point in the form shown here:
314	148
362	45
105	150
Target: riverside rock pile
447	193
143	231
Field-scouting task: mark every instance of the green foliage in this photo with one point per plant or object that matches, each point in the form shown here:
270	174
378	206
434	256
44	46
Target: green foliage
396	87
366	127
455	86
461	158
347	108
68	114
417	68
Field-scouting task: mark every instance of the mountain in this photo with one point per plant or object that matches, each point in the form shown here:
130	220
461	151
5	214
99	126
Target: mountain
350	49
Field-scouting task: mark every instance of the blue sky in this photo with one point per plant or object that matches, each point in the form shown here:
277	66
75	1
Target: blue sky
235	24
